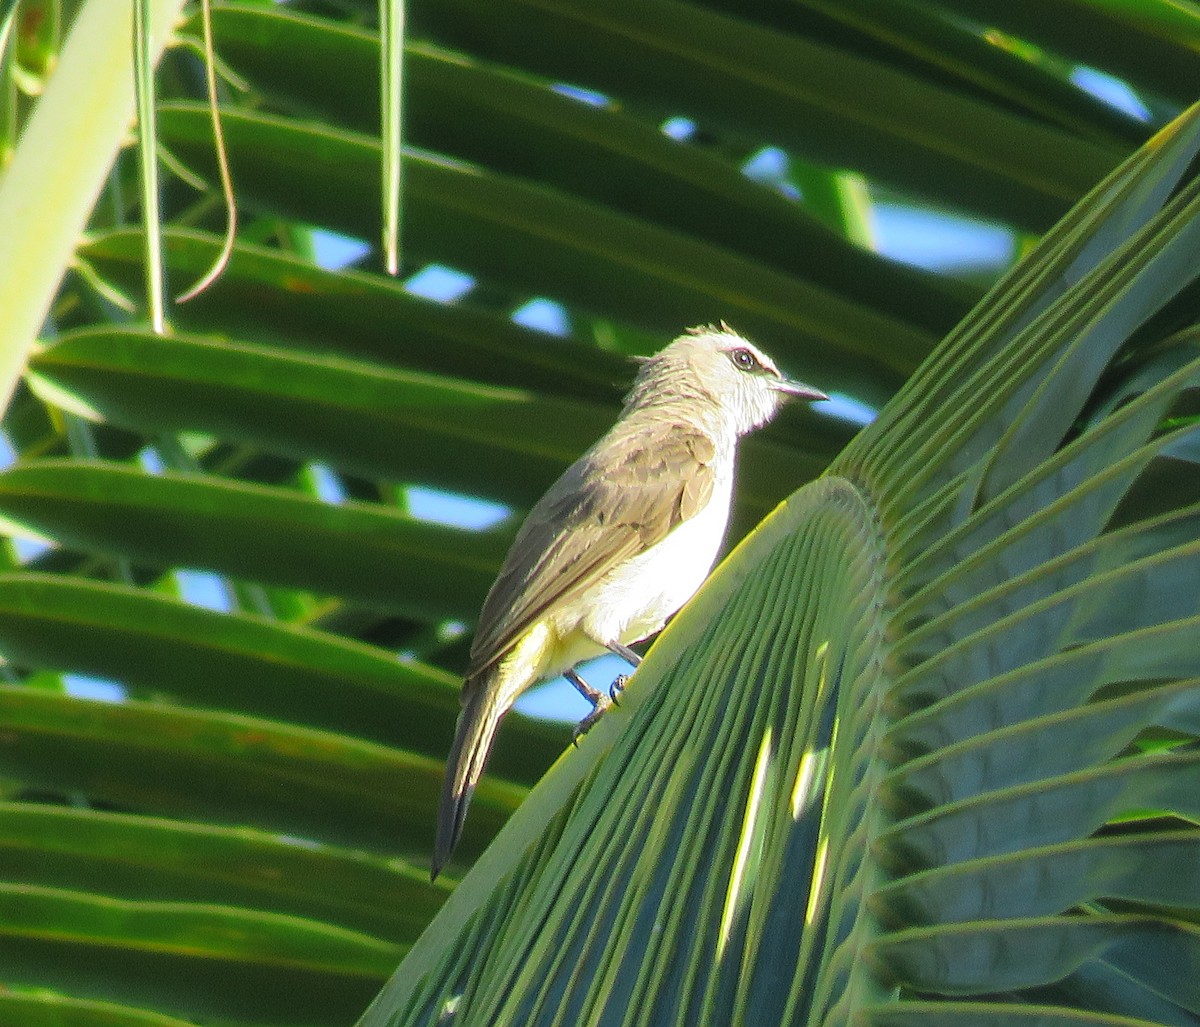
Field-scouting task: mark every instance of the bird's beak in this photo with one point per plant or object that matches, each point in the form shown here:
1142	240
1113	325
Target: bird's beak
791	387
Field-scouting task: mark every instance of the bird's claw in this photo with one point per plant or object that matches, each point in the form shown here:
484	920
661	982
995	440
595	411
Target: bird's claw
603	702
617	687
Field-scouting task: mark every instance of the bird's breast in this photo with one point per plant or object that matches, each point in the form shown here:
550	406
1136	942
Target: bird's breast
636	598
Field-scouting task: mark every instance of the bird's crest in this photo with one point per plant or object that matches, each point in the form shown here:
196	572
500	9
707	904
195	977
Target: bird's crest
720	328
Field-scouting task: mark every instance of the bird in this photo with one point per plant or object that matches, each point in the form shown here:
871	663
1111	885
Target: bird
617	544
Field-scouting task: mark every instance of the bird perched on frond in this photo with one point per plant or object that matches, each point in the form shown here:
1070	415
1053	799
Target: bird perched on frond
618	544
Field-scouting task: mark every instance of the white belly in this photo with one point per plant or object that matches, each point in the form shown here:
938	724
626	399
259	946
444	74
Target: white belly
636	599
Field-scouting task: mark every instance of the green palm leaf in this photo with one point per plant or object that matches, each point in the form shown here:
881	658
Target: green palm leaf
985	608
908	675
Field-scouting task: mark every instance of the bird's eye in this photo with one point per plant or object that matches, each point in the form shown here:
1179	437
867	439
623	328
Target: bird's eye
744	359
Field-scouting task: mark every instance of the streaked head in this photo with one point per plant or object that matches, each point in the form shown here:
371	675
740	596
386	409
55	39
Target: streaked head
726	374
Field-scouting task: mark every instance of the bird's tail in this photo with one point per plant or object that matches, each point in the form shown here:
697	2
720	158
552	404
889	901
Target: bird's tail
473	737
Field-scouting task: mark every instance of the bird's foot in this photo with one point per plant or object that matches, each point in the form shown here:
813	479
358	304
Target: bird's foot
603	702
617	687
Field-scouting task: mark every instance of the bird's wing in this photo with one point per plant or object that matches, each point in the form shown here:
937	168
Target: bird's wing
619	499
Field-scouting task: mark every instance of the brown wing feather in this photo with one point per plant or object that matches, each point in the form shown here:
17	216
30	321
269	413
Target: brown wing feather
620	498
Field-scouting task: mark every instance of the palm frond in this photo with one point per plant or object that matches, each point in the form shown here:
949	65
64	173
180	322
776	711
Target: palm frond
855	775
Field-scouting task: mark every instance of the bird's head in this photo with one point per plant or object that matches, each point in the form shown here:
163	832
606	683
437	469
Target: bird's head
730	376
